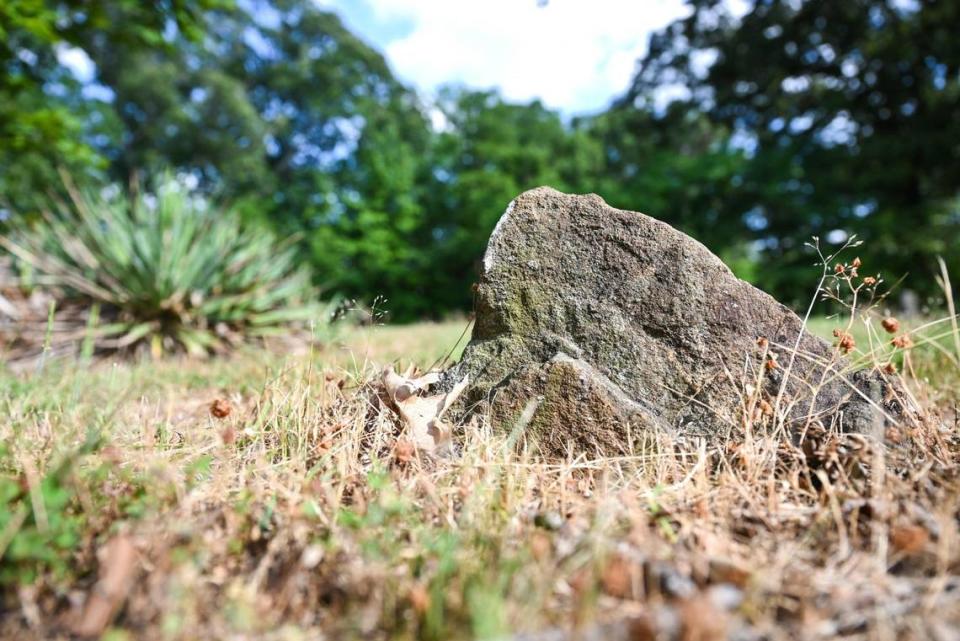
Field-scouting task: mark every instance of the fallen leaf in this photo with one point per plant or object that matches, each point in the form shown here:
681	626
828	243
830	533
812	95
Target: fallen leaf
909	539
422	414
312	556
401	386
404	451
540	545
701	620
118	569
419	598
228	436
617	578
726	571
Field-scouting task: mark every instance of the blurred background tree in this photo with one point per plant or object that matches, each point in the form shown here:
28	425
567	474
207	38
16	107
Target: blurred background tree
487	152
47	119
752	133
849	113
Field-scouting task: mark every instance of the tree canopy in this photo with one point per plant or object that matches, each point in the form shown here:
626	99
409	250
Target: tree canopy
848	112
795	119
46	118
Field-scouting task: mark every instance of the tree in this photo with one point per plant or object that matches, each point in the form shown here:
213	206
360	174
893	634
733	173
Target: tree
490	151
43	116
282	109
677	166
849	113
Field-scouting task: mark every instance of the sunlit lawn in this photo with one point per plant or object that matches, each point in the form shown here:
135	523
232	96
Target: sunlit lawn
293	516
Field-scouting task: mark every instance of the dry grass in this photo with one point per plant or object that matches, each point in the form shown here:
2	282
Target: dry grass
286	511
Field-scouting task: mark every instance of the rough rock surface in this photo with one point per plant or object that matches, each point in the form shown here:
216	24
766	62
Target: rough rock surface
595	326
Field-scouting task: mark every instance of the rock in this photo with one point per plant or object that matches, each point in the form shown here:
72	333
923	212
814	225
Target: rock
596	327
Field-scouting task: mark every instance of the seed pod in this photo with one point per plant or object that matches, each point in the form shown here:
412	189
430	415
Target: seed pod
220	408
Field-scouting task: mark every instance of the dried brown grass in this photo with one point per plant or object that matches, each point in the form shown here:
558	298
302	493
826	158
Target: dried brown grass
301	514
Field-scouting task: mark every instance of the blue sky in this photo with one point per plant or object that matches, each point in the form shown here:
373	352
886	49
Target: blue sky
574	55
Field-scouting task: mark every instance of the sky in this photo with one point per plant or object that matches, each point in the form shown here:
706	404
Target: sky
573	55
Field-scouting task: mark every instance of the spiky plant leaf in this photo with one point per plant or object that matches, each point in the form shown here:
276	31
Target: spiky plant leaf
167	266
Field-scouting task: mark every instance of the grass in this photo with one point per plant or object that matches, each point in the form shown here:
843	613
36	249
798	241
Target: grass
133	507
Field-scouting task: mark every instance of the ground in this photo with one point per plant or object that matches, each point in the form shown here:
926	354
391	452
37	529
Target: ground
273	495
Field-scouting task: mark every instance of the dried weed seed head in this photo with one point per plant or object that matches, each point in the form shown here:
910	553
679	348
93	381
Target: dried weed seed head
221	408
845	341
903	341
891	325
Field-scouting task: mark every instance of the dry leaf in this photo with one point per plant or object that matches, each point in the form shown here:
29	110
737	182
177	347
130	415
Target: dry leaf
401	386
617	578
701	620
118	569
726	571
312	556
228	435
221	408
404	451
909	539
419	598
540	545
422	414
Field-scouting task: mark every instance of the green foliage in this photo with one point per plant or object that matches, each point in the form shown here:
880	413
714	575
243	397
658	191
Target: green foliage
678	170
800	119
847	112
39	525
44	118
489	152
168	270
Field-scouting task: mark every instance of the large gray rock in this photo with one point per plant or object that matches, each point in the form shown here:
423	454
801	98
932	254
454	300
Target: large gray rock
596	326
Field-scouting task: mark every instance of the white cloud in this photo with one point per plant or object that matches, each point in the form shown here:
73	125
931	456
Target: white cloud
574	55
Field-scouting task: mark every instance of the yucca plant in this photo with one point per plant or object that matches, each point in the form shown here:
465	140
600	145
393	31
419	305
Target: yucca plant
166	270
